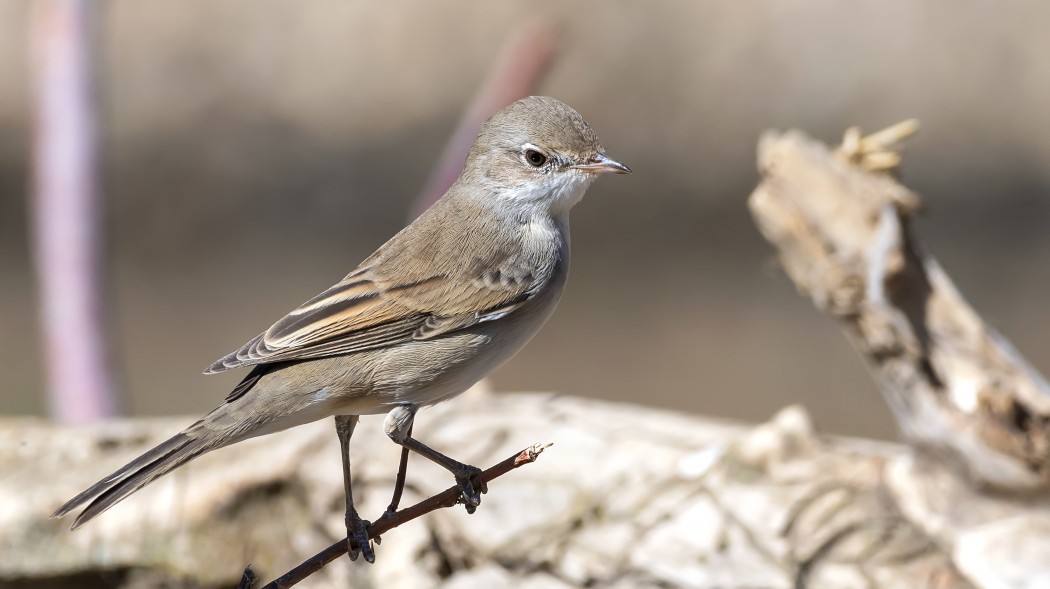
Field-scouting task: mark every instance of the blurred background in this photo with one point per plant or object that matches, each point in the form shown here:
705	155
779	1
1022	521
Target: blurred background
253	152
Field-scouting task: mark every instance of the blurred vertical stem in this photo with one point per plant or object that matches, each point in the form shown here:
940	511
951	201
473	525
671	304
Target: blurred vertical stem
516	73
66	213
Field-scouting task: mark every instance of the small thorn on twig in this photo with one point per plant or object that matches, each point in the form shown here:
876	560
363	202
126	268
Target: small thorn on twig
388	521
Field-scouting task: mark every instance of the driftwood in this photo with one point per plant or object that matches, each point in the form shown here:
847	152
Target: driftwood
629	496
843	234
963	397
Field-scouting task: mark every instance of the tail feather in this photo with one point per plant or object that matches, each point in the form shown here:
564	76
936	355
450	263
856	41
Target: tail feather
169	455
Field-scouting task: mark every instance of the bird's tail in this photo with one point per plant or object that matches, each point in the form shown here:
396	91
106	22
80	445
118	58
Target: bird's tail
166	457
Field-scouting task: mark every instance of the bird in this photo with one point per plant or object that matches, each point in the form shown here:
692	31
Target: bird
438	307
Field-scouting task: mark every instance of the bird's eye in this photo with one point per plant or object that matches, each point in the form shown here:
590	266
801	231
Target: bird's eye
535	157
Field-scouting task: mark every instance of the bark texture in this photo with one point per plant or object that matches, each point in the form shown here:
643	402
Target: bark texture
626	497
842	229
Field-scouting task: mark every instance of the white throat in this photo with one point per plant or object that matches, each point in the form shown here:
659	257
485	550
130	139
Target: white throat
554	194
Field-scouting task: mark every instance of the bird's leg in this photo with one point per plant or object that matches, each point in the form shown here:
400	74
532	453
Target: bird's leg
399	483
398	426
356	528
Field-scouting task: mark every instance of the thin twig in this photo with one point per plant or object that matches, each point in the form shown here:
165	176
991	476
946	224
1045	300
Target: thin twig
447	498
517	72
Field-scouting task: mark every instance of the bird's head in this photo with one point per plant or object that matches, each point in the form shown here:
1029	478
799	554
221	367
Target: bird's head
538	152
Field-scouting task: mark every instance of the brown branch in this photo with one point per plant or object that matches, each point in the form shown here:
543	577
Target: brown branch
517	72
447	498
66	215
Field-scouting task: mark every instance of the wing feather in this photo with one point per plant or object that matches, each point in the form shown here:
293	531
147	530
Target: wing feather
365	311
425	282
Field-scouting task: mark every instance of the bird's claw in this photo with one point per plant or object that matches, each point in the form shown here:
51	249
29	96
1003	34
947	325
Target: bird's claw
357	542
470	495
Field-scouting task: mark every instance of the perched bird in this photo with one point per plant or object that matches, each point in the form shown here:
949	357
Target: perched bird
435	309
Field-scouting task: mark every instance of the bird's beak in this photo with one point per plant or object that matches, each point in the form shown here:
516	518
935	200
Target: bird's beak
602	164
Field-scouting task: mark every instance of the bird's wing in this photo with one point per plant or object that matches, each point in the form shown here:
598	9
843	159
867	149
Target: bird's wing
367	310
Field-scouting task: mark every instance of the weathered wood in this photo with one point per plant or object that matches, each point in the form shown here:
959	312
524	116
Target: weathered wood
958	390
626	497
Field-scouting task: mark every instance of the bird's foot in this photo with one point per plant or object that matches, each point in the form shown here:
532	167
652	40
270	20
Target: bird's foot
470	494
357	542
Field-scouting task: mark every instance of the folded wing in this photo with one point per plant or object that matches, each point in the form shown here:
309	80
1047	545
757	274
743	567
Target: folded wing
366	311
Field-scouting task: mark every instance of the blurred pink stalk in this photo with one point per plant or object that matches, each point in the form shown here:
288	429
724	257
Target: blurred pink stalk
66	214
516	73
